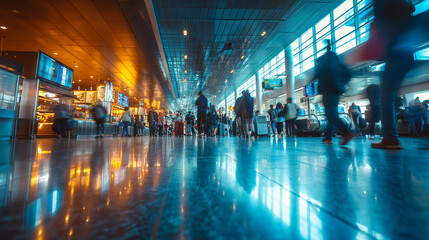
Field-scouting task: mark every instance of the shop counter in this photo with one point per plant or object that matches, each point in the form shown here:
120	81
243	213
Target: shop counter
89	127
6	123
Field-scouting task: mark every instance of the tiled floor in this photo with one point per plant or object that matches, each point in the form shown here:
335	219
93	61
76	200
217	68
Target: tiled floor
219	188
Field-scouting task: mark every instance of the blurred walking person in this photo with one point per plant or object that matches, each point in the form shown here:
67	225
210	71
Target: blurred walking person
201	104
273	119
160	124
99	114
373	111
392	20
333	77
280	119
126	119
152	120
246	109
291	115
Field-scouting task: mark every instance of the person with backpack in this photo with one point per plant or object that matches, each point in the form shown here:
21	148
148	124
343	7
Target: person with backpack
99	113
280	119
333	77
273	119
291	114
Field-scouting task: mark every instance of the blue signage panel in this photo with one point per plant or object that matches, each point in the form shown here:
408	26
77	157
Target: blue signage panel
122	100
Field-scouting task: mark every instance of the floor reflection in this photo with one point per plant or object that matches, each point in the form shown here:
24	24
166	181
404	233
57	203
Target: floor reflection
227	187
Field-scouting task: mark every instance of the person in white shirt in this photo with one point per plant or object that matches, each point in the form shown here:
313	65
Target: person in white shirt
290	116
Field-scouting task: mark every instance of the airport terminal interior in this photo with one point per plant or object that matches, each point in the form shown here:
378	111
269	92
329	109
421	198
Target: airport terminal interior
214	119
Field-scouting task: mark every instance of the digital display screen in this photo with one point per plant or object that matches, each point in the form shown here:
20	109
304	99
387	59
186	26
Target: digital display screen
301	112
53	71
273	83
311	89
122	100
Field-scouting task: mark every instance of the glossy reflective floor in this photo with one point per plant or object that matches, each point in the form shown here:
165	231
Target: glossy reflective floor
224	188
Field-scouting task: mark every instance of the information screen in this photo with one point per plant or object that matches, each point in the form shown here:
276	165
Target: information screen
311	89
273	83
53	71
122	100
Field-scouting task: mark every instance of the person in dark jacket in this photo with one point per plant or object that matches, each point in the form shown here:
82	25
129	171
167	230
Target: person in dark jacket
99	114
273	119
201	104
332	76
373	113
152	120
393	18
246	106
280	119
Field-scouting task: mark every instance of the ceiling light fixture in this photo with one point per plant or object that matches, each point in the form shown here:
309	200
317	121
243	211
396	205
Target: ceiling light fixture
79	80
3	27
55	53
186	56
91	76
184	80
76	66
226	81
186	71
185	32
263	33
232	71
242	56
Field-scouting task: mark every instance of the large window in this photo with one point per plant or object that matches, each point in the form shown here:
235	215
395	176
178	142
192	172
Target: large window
274	68
248	85
346	27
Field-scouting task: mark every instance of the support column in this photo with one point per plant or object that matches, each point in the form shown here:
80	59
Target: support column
258	92
290	77
226	106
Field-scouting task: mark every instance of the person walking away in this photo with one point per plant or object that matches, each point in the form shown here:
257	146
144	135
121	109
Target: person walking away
280	119
201	104
290	117
246	108
393	18
354	113
188	124
237	112
333	77
62	115
99	114
126	119
138	126
273	119
193	124
152	119
373	114
160	123
416	113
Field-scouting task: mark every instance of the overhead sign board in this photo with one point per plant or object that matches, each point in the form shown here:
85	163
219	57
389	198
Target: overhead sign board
273	83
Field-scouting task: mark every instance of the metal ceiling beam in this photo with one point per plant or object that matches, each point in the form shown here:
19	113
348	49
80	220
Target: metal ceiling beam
155	28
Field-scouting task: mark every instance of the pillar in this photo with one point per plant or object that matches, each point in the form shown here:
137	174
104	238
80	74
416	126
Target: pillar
258	92
290	77
226	106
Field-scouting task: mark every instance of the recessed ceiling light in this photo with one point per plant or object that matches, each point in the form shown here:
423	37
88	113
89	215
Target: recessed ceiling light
185	32
226	81
91	76
263	33
186	56
232	71
242	57
79	80
186	71
3	27
55	53
76	66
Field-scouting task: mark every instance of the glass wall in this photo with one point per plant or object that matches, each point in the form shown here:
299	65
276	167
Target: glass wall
346	27
274	68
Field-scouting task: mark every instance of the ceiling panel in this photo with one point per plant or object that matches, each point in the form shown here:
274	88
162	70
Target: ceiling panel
94	35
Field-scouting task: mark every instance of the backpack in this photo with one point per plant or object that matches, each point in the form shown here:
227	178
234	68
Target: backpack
282	113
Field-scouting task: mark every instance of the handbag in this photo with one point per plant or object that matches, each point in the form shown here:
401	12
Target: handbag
120	124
